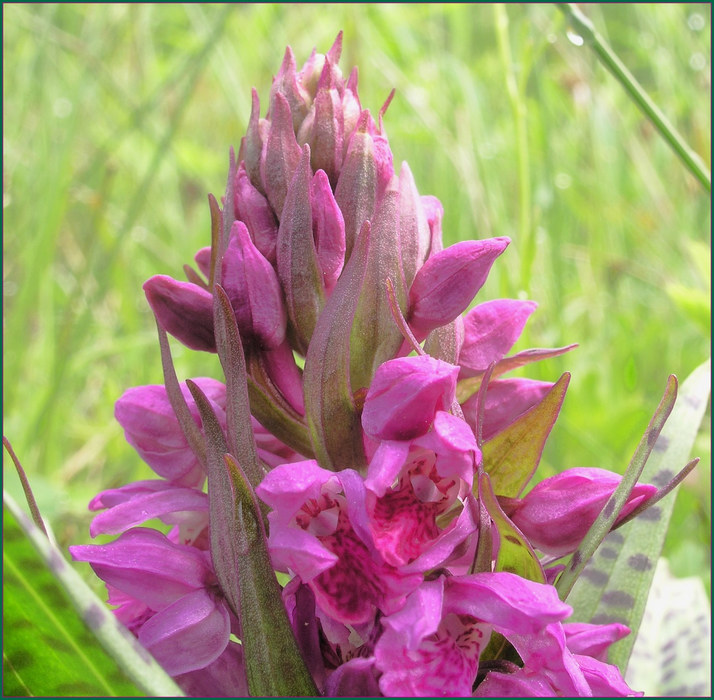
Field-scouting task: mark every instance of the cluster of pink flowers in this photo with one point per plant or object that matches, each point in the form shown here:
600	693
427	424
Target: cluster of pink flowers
374	397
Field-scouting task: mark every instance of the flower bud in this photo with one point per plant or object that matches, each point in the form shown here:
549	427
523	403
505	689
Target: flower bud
253	209
298	267
448	282
287	84
251	145
184	310
280	155
253	289
375	336
324	129
366	171
328	227
434	214
414	233
558	512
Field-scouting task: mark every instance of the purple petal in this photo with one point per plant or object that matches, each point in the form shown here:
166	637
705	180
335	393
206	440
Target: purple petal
151	427
145	565
508	602
286	488
491	329
404	396
189	634
557	513
184	310
254	211
224	678
253	289
448	281
520	684
354	679
506	400
385	465
143	507
113	497
424	652
605	680
593	640
329	229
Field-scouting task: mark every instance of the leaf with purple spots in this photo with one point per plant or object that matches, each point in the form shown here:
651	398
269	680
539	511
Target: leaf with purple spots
615	585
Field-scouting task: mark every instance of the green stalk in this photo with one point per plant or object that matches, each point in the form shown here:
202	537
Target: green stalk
584	27
518	105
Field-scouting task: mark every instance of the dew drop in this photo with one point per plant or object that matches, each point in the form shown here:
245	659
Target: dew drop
575	38
696	22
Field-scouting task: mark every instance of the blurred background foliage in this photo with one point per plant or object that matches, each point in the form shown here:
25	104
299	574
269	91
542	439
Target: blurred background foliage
117	123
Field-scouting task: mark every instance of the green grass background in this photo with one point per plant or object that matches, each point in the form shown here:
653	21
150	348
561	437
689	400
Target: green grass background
117	123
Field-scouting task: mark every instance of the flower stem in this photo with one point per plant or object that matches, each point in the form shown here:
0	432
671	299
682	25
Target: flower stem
518	105
584	27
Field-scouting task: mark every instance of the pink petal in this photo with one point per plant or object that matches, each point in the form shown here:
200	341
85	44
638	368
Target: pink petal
491	329
506	400
404	396
189	634
145	565
143	507
184	310
448	281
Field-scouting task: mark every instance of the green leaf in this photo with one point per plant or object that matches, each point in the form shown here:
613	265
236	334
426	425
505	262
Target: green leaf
671	656
607	517
515	553
511	457
615	583
50	649
274	665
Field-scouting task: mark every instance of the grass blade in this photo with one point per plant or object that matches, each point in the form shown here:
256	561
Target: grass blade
49	649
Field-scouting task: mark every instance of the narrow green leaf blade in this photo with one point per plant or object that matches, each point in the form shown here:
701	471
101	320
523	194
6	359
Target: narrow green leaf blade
605	521
50	649
274	665
615	584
